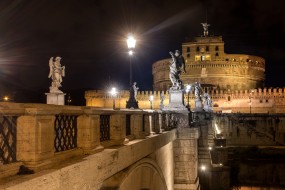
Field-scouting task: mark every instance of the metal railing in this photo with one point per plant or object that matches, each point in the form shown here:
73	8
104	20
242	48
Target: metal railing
8	139
65	132
128	124
104	127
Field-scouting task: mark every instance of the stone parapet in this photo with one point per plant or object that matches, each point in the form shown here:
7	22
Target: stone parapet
49	134
94	171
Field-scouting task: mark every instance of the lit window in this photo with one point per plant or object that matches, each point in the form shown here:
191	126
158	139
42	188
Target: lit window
203	58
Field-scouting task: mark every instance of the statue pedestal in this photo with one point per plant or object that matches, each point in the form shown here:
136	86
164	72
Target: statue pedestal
208	108
55	98
176	100
198	106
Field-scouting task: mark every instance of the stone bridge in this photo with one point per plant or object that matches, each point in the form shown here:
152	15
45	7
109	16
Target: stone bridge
69	147
72	147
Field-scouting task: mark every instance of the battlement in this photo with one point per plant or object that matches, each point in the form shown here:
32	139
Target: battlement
259	91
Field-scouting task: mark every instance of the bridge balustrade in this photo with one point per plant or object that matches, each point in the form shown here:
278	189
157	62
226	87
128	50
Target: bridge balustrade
40	136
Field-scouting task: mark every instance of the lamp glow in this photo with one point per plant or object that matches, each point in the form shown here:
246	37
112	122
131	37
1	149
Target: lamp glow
113	91
131	52
131	41
188	87
6	98
151	100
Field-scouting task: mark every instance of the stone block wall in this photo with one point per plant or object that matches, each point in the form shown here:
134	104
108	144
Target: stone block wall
186	159
261	100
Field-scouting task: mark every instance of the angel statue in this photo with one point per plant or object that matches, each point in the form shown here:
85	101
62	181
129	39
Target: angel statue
198	91
56	73
176	67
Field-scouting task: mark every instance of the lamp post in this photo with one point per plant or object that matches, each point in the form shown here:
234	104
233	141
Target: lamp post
151	101
203	176
6	98
69	99
188	88
131	103
114	93
250	96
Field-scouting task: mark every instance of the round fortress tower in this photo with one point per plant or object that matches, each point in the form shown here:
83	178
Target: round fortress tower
207	63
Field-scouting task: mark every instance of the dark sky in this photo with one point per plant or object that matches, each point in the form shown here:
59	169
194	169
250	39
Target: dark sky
90	35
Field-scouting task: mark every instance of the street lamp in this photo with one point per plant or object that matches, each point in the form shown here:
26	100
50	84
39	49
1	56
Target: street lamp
188	88
6	98
68	99
151	101
113	93
131	42
250	96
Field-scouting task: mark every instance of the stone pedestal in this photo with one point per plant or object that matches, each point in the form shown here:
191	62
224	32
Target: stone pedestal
176	100
55	98
185	149
208	108
198	106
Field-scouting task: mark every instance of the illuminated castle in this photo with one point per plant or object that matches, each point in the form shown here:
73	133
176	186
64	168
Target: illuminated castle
234	81
207	63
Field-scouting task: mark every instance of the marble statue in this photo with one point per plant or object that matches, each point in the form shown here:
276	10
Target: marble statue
207	101
197	91
177	65
162	98
205	26
56	73
135	88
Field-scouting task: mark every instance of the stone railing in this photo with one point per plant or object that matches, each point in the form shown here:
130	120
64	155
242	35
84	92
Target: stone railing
39	136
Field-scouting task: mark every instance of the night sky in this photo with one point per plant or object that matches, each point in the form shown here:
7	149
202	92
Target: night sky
90	36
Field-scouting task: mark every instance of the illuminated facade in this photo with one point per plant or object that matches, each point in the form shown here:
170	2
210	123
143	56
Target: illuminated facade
207	63
234	81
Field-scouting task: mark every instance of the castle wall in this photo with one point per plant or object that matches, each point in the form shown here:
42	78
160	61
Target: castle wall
207	63
256	101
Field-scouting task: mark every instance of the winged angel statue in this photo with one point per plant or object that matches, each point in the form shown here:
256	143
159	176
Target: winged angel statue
56	73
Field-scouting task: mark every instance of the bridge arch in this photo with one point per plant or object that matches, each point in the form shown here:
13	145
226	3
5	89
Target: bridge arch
143	175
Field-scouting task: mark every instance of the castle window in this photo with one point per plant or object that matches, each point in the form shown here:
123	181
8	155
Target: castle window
188	55
266	101
227	59
229	98
203	58
197	48
260	101
207	48
188	49
217	54
217	48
